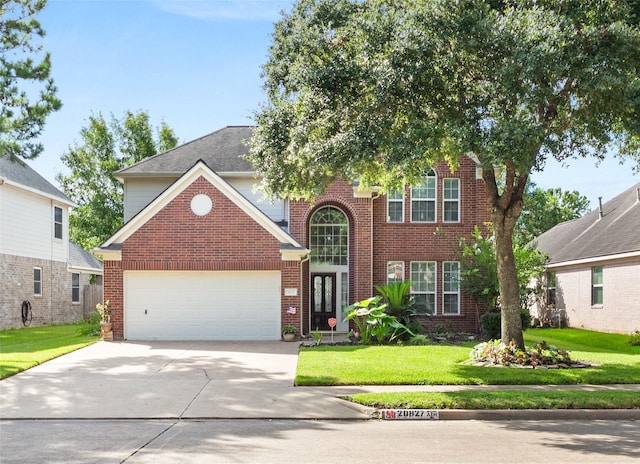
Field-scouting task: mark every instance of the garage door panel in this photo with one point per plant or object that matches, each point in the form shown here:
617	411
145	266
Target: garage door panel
202	305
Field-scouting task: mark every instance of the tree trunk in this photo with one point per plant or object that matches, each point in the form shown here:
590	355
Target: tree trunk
508	281
505	210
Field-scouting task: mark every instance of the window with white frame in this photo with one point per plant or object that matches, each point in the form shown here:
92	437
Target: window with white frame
423	199
57	222
597	286
451	200
551	288
395	271
423	285
451	288
395	206
75	288
37	281
329	241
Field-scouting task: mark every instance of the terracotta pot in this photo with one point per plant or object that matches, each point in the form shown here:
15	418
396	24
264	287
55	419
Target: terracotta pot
105	331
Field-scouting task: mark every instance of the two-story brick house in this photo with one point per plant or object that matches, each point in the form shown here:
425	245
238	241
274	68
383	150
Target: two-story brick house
202	256
38	264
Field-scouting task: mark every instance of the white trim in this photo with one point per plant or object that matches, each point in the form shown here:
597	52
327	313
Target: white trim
11	183
200	169
595	259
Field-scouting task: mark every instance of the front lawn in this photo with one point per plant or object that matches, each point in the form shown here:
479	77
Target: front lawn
23	348
618	362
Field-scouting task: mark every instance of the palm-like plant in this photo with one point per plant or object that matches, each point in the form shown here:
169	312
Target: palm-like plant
400	303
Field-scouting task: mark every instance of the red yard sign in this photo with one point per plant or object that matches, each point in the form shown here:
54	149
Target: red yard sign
332	322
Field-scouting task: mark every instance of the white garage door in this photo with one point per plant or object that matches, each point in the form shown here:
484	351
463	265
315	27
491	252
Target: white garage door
202	305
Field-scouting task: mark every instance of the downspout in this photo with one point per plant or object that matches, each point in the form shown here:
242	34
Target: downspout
302	261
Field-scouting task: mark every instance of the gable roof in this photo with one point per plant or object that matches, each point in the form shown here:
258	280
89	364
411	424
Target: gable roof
79	258
16	172
222	151
290	249
592	237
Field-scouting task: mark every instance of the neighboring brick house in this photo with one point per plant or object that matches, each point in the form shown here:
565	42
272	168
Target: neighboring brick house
593	272
38	264
201	256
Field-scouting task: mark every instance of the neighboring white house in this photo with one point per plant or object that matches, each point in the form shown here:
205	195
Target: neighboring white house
593	272
38	264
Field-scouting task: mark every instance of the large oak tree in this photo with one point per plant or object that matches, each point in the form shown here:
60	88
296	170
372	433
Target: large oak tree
379	90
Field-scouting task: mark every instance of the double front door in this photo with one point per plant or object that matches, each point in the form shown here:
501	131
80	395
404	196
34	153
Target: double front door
323	299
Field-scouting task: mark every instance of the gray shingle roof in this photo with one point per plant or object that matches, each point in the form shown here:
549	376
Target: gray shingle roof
618	231
82	259
16	170
222	151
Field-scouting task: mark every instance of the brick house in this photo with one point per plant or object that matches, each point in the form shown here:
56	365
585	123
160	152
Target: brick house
38	264
593	272
202	256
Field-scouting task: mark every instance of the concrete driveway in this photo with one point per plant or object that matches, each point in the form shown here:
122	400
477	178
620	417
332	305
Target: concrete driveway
188	380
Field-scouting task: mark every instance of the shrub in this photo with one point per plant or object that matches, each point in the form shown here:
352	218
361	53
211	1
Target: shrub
635	338
418	340
491	322
91	325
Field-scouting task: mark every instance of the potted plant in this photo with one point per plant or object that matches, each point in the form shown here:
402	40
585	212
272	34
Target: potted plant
105	321
289	333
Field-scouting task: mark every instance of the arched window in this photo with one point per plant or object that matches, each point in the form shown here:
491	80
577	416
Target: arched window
329	237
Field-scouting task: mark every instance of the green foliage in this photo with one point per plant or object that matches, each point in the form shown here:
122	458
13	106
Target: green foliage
634	340
400	303
289	329
543	209
374	323
91	325
491	322
418	340
479	269
107	146
317	336
379	91
27	92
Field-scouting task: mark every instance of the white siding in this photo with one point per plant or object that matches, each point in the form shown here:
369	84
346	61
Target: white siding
275	209
138	193
26	225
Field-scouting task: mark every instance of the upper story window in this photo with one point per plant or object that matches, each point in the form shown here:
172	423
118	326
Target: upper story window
57	222
395	206
423	199
395	271
329	237
37	281
597	285
451	200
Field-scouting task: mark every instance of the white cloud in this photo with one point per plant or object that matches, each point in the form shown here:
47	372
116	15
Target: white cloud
235	10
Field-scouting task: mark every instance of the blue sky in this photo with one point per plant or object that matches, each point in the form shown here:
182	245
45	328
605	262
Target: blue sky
194	64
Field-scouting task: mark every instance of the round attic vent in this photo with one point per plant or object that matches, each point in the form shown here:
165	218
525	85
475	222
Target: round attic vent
201	204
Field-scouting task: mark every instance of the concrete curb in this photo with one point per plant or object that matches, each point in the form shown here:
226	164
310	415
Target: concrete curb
527	414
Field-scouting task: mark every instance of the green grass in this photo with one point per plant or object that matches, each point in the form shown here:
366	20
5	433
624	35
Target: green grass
617	362
508	399
21	349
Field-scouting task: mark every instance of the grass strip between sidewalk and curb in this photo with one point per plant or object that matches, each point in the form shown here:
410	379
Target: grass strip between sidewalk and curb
23	348
494	399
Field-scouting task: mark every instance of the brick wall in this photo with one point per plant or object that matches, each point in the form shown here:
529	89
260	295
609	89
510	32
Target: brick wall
620	309
176	239
52	307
